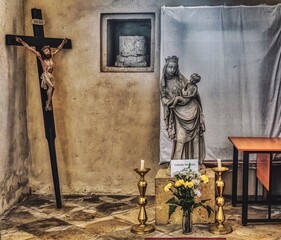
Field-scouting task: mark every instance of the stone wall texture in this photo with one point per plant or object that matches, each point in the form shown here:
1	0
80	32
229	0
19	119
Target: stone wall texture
14	160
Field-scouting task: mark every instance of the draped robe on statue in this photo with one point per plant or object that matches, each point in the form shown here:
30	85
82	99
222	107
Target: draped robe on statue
184	123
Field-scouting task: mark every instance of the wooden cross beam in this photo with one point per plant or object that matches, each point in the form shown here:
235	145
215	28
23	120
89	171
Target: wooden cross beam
38	41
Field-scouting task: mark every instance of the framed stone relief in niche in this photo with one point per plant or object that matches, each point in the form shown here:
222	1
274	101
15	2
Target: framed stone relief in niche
127	42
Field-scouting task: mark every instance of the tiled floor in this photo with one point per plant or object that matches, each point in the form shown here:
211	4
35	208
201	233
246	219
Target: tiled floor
111	217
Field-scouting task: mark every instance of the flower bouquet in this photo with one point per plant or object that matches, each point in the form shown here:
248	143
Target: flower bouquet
186	190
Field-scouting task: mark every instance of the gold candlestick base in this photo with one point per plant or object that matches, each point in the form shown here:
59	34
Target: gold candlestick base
142	228
219	227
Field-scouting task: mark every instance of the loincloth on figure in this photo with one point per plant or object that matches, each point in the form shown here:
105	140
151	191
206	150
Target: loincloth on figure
46	77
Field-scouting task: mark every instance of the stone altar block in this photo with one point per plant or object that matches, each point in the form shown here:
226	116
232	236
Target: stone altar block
199	215
132	52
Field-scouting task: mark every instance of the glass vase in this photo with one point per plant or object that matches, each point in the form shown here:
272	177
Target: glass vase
186	222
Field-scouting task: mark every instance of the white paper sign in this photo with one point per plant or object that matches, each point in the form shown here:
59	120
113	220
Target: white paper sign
179	165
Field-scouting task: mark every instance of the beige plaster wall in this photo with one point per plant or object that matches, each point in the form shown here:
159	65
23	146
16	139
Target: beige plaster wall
14	159
105	122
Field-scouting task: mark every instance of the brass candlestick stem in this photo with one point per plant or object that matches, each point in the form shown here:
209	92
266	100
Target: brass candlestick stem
142	228
220	227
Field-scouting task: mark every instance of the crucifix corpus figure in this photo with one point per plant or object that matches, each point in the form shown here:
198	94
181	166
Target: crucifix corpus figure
46	60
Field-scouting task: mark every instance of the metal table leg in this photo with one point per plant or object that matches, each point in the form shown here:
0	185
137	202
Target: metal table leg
234	176
245	188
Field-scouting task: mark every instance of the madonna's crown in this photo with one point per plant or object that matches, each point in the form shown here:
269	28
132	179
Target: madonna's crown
172	59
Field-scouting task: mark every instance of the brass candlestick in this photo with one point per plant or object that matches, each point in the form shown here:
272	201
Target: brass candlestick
142	228
220	227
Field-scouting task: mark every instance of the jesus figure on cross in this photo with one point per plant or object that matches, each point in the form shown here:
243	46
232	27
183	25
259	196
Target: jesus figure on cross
46	59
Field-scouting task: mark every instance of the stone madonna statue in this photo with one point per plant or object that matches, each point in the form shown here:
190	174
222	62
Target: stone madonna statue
183	113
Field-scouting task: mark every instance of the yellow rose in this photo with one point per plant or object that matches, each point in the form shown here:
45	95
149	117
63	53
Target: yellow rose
179	183
205	179
168	187
189	184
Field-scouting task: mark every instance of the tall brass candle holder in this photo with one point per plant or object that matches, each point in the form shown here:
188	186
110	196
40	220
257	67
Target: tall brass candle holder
220	227
142	228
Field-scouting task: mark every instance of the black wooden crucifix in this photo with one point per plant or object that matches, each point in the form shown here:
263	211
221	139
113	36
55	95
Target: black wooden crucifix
39	41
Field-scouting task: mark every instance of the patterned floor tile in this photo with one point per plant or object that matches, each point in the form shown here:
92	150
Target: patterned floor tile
111	218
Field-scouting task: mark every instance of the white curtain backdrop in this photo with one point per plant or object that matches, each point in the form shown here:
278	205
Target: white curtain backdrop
236	50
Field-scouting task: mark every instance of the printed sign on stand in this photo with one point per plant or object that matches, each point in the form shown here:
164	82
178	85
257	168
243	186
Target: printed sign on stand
179	165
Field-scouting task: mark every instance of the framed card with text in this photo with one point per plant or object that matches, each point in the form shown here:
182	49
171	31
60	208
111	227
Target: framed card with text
179	165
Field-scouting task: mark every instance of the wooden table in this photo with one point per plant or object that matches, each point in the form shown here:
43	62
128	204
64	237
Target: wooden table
251	145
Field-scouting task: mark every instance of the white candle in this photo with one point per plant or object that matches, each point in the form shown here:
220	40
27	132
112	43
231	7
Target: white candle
142	165
219	163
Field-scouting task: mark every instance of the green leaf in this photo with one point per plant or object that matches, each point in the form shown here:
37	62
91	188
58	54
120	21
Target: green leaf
205	200
172	200
209	210
198	204
172	209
